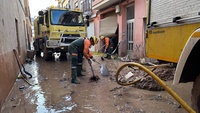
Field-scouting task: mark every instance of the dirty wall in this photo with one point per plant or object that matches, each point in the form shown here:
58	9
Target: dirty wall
12	36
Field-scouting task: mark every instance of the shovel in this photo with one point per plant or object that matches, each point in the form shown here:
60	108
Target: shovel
93	78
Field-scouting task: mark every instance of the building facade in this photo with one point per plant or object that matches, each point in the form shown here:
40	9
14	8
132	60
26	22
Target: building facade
15	33
124	21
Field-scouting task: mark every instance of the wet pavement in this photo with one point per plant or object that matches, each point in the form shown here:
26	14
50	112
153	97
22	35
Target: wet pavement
49	90
52	92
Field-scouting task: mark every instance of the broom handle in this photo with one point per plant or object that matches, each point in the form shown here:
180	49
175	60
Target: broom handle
18	62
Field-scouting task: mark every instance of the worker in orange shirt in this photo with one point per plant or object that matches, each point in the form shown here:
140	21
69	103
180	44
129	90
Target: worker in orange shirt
108	46
78	49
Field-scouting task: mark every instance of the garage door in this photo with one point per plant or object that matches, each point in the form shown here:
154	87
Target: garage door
108	25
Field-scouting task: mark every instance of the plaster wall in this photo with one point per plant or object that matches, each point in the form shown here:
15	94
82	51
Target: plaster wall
139	39
10	10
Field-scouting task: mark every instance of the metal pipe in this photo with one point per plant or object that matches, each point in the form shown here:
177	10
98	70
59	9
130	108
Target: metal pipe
149	11
190	18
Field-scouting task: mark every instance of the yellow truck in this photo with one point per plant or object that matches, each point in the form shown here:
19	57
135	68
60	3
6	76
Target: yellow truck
173	35
55	29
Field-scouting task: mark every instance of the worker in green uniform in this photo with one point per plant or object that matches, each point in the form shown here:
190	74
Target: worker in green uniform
78	49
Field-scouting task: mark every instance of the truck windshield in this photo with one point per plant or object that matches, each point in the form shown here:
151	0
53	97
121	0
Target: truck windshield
64	17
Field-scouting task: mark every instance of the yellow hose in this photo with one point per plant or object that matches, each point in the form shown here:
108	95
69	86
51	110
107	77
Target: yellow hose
158	80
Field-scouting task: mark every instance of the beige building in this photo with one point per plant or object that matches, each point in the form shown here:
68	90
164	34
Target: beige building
62	3
15	30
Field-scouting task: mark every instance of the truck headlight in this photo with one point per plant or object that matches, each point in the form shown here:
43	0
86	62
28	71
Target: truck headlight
52	43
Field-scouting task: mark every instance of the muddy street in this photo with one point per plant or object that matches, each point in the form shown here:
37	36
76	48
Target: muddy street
52	92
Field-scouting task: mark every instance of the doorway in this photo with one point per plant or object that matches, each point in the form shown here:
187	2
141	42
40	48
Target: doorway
130	28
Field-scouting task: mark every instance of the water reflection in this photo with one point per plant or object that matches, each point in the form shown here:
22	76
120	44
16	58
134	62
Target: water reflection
46	94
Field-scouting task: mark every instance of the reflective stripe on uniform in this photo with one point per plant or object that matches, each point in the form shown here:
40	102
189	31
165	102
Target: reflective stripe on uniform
74	54
73	67
79	64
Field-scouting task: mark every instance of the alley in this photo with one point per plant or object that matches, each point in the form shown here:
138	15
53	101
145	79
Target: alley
52	92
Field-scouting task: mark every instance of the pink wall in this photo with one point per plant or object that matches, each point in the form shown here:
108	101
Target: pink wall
97	29
122	31
139	42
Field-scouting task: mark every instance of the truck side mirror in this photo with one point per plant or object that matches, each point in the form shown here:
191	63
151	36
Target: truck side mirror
41	17
88	23
40	13
87	17
41	20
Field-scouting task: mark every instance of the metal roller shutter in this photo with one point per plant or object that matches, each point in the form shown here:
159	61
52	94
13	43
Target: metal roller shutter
108	26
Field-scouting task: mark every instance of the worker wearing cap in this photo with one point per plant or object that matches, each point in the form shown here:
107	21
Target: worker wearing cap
108	46
78	49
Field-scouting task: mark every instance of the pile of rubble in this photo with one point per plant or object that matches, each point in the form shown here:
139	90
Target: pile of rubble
149	83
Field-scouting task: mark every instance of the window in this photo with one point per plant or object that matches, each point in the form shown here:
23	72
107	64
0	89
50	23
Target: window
64	17
81	5
76	5
130	27
17	34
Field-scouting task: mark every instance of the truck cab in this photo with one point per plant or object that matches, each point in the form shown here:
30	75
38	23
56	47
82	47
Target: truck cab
55	29
173	35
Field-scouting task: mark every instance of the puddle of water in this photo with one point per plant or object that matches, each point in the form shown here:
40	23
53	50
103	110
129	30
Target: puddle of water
68	98
39	96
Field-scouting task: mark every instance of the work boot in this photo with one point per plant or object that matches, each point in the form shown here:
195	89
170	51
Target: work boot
75	81
106	56
109	57
79	74
74	74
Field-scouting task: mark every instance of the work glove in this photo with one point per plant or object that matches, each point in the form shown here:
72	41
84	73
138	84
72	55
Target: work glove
90	62
93	59
105	51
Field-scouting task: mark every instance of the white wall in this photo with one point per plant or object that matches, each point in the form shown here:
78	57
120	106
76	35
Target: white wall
165	10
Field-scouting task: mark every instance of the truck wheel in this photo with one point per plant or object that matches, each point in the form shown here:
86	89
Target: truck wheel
36	48
47	55
63	55
196	94
38	53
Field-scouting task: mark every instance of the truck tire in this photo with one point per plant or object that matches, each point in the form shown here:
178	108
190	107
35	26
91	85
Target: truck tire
36	48
63	55
38	53
47	55
196	94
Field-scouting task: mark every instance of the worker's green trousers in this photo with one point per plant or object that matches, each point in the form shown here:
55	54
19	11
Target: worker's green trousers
109	52
76	62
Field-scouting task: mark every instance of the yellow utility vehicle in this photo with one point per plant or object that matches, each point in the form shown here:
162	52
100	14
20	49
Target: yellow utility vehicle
173	35
55	29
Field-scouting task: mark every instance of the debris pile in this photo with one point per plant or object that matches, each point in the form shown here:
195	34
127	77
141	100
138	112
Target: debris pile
150	84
